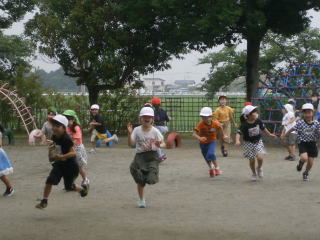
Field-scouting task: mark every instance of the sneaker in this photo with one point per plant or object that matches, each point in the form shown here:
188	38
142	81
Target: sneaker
85	182
260	172
222	149
254	177
115	138
299	166
225	153
84	191
217	171
142	204
92	150
212	173
43	204
9	192
163	158
287	157
305	176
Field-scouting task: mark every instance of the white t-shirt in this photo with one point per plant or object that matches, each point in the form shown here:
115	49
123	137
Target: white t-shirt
145	141
286	118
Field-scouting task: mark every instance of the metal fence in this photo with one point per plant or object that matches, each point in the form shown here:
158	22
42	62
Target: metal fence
184	111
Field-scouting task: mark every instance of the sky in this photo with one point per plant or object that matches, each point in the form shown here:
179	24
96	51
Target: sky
181	69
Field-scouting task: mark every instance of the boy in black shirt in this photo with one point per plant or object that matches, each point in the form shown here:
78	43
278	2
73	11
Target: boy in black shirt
251	128
62	154
98	128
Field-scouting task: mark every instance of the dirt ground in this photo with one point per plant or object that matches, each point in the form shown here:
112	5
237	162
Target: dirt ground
185	204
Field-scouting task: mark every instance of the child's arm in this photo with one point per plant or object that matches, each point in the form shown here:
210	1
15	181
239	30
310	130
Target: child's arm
224	135
266	131
238	143
130	130
70	154
161	144
283	133
288	132
201	139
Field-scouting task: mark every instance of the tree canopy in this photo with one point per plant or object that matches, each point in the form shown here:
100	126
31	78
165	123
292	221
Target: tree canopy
276	53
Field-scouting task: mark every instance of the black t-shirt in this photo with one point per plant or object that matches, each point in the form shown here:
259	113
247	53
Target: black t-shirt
102	128
63	144
160	117
251	131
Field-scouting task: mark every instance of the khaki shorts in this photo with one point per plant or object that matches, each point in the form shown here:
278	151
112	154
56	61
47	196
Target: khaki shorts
227	131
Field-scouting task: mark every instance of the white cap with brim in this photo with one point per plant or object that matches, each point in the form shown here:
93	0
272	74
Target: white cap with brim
61	119
146	111
95	107
248	109
307	106
206	112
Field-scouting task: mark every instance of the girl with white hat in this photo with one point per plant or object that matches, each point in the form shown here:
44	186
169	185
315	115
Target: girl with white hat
251	128
147	140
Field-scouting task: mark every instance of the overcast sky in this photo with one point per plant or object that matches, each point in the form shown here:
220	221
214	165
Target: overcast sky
187	68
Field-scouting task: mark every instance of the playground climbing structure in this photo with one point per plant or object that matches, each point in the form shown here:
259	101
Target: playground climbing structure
299	83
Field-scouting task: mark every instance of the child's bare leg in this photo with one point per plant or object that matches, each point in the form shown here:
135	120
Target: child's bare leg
106	140
215	164
309	164
82	173
304	157
252	163
291	150
210	165
140	191
47	191
260	160
6	181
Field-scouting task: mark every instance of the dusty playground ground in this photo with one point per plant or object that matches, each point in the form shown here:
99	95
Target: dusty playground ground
186	204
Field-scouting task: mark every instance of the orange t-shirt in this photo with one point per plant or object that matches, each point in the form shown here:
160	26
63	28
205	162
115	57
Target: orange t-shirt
208	131
222	114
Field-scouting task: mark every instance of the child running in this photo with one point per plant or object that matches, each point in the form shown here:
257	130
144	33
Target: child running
224	114
308	132
46	131
62	154
288	122
206	132
147	139
5	168
98	129
251	127
75	132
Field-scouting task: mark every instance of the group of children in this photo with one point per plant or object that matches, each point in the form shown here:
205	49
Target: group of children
68	155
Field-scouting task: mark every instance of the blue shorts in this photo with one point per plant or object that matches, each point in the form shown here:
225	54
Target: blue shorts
208	151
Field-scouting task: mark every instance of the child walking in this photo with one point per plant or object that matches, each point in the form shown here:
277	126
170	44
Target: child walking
62	154
146	139
308	132
5	168
250	128
98	129
224	114
288	122
75	132
206	132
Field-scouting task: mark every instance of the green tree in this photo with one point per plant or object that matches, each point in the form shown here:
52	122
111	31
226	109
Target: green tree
93	42
13	10
229	63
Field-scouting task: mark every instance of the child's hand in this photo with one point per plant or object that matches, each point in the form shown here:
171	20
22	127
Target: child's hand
130	128
273	135
49	142
52	147
225	137
238	143
158	144
57	157
202	139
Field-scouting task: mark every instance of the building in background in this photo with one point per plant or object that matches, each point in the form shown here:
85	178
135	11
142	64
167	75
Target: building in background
154	84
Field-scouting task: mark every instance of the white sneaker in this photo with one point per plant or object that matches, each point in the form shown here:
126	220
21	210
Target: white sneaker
142	204
85	181
260	172
115	138
254	178
92	150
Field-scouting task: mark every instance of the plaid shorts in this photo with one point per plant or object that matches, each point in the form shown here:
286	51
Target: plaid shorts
251	150
81	155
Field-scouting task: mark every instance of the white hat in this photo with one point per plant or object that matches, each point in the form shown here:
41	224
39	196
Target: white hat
206	112
307	106
288	107
61	119
146	111
248	109
95	106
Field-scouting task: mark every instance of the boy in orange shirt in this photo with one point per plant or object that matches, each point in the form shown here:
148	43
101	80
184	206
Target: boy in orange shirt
206	132
224	114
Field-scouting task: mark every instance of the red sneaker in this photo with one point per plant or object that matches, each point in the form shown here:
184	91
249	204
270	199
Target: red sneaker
212	173
217	171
